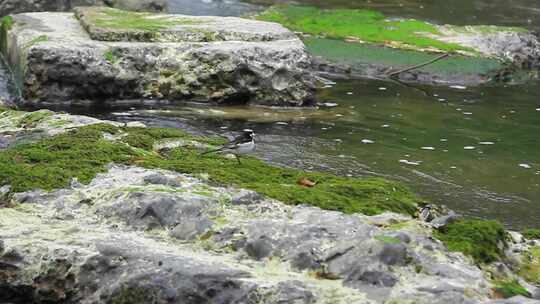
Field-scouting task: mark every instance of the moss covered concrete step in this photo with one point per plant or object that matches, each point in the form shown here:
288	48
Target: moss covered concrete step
56	61
516	45
108	24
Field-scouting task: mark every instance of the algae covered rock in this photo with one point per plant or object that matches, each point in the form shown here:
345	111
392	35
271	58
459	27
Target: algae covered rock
140	55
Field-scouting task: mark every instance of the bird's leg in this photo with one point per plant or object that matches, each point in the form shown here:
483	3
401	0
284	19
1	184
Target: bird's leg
238	159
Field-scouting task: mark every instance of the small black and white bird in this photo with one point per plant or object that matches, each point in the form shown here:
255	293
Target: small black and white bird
243	144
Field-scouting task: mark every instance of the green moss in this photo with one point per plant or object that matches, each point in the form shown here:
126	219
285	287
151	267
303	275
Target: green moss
125	20
531	234
530	268
508	289
479	239
82	153
31	119
146	138
52	163
365	25
368	196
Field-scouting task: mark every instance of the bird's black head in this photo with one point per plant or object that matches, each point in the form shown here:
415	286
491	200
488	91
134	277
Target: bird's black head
249	134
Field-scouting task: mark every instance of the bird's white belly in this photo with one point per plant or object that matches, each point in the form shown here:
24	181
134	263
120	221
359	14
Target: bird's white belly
244	148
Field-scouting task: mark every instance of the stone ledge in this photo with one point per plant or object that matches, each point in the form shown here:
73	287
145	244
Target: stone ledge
108	24
58	62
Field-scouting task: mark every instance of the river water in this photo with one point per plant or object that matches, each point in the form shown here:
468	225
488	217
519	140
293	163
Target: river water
476	150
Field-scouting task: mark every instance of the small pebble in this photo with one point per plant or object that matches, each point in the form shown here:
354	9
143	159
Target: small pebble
330	104
526	166
349	93
408	162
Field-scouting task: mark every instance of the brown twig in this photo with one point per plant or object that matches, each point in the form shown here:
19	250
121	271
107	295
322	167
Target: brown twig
418	65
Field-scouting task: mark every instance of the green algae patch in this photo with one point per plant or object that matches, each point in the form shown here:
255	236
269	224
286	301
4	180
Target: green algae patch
82	153
530	268
510	288
364	25
357	54
480	239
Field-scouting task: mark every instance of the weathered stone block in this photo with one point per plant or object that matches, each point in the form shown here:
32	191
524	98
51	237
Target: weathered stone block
148	56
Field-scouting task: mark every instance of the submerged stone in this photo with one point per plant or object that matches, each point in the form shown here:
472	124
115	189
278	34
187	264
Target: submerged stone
140	55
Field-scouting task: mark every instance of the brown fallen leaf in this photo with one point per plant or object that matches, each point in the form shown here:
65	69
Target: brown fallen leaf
306	182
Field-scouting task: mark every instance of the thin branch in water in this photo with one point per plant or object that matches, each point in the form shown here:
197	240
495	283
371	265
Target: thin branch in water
417	66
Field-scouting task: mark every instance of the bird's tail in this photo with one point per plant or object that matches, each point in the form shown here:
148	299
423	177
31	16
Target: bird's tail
213	151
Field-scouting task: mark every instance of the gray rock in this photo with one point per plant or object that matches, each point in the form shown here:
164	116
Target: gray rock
445	220
393	254
161	179
142	240
8	7
205	62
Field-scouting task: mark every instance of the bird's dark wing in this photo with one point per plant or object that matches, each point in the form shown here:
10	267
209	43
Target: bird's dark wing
235	142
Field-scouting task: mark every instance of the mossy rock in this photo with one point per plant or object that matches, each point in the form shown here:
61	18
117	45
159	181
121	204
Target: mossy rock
483	240
82	153
109	24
